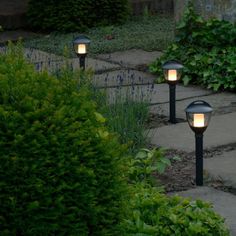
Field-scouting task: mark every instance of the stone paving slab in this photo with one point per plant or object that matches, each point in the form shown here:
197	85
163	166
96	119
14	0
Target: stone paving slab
222	103
57	63
131	58
44	60
96	65
159	93
222	168
122	77
35	55
223	203
221	131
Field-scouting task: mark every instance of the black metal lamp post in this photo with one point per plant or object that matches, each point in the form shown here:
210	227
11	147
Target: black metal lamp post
198	114
81	44
172	71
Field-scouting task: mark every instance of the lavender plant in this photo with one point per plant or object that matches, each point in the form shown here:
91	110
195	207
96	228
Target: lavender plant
126	109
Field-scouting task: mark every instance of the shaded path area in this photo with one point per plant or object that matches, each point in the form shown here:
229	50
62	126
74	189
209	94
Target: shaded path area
12	13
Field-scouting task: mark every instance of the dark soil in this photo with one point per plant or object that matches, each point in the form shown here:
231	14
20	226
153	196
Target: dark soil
181	174
156	121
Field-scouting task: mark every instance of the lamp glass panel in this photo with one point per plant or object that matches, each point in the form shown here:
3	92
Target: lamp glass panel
198	120
172	75
81	49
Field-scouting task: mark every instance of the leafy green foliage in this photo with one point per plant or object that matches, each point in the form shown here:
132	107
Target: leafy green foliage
145	163
154	214
75	15
61	171
206	48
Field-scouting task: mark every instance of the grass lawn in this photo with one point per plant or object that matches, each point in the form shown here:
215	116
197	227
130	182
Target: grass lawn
148	33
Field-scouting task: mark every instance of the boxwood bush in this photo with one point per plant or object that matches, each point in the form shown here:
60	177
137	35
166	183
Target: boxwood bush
61	172
73	15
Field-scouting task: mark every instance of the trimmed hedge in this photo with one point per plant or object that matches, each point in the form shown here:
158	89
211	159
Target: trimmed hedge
76	15
61	172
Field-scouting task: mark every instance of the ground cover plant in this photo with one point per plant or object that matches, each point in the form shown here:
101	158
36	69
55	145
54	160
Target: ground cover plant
148	33
151	213
206	48
69	16
154	213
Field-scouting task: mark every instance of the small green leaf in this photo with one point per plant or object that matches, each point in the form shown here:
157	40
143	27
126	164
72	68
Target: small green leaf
33	205
99	117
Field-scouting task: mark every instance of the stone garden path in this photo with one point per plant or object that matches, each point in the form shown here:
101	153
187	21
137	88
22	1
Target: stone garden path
128	70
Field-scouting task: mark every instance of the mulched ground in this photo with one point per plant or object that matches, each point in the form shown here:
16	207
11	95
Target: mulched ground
181	174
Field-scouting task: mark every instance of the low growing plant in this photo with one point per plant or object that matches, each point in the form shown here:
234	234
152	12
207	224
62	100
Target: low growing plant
145	163
154	33
151	213
154	214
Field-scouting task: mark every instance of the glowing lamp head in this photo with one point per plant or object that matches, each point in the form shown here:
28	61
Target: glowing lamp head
81	44
172	71
198	115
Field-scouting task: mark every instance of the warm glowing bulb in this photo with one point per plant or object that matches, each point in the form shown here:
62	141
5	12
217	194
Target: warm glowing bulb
198	120
82	49
172	75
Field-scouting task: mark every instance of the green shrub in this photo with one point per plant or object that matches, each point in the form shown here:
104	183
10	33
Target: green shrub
73	15
61	171
154	214
206	48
